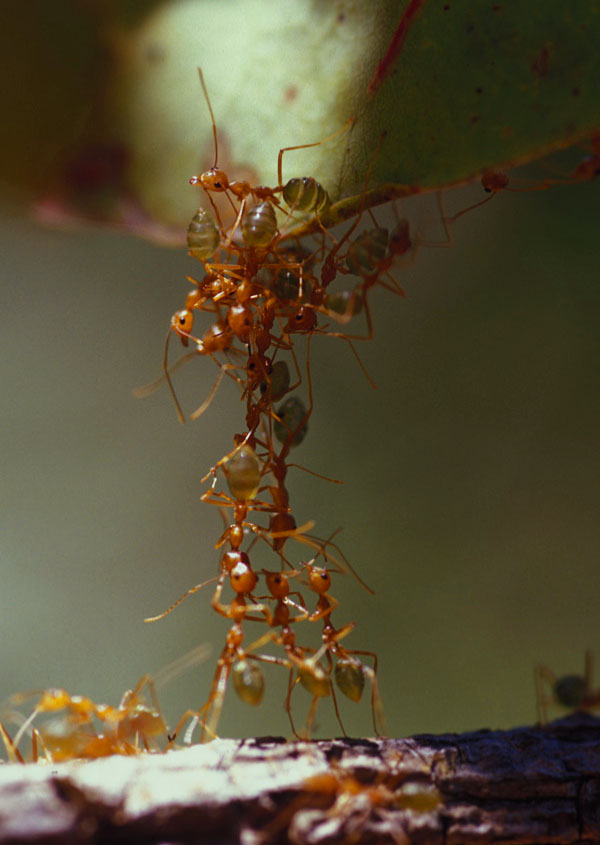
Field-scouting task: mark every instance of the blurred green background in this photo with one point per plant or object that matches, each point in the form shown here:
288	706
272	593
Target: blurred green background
470	496
470	475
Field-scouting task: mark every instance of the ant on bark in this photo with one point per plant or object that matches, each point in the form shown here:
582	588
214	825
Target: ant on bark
575	692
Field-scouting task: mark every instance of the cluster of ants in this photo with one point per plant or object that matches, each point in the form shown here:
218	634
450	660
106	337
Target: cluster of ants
263	289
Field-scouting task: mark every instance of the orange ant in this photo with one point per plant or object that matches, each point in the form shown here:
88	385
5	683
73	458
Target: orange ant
304	194
75	735
310	673
80	728
494	181
349	672
340	800
248	680
353	803
572	691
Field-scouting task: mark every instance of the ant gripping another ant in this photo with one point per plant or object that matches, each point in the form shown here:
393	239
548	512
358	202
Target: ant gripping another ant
63	727
263	294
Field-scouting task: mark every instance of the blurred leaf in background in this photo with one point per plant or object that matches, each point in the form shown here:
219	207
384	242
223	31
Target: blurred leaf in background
108	119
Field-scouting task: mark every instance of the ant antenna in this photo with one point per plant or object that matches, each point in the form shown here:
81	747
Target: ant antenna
212	117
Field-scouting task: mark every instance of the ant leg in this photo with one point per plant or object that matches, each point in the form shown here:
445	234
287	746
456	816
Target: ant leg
376	702
334	697
175	604
543	675
180	415
151	387
310	719
348	123
288	701
587	674
14	755
215	702
213	392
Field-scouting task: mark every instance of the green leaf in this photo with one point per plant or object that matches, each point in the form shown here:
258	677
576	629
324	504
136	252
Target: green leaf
475	85
439	91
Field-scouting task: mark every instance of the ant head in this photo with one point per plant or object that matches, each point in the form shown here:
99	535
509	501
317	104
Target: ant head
277	583
214	180
319	578
182	323
492	181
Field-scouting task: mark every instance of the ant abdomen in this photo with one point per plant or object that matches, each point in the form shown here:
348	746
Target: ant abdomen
259	225
367	252
279	380
345	302
570	691
202	235
350	678
287	285
315	679
243	473
290	423
305	194
248	682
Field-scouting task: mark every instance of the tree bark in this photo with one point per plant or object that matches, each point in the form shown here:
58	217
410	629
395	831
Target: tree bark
528	785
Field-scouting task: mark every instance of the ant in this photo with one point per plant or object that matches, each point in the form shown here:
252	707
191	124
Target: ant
248	680
310	673
496	181
573	691
349	672
340	801
261	296
75	733
304	194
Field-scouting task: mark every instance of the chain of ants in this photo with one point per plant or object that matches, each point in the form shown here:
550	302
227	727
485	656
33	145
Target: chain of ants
263	290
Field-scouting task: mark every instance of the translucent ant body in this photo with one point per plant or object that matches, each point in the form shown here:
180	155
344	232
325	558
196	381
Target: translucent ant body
349	672
310	673
74	732
248	680
575	692
259	225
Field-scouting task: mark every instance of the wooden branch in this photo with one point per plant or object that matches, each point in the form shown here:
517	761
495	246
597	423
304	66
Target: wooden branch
529	785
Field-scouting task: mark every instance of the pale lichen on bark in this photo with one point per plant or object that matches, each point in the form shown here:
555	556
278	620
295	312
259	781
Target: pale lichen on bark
528	785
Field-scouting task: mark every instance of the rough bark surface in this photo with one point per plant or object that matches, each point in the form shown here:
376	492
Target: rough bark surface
528	785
